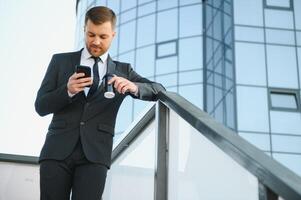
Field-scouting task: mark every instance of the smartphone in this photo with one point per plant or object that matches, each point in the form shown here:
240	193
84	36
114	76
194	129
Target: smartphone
83	69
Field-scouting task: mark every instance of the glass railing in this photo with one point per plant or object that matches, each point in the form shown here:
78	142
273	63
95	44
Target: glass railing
174	151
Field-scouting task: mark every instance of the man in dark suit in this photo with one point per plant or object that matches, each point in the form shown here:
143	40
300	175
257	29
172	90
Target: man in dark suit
77	151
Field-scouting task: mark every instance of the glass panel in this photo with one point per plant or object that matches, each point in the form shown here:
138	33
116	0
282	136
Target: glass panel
128	57
261	141
166	65
167	25
167	49
252	109
298	33
290	144
128	16
146	31
145	61
132	174
144	1
164	4
168	80
125	109
186	2
191	77
279	19
249	34
127	37
125	5
285	122
191	53
194	175
280	36
147	9
139	106
191	20
19	181
293	162
282	66
278	3
244	9
114	5
193	93
250	64
282	100
299	62
297	12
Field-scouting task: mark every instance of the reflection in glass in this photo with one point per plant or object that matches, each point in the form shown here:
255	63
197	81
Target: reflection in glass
191	20
280	36
285	122
284	100
244	9
279	19
251	34
198	169
132	175
167	25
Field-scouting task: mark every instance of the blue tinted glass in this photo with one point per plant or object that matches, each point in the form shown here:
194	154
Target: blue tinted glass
219	113
139	106
250	64
252	109
297	12
191	77
127	16
299	61
277	3
230	116
114	45
193	93
279	19
191	53
145	61
127	57
282	100
146	30
167	25
190	20
285	122
244	9
166	65
144	1
249	34
282	66
172	89
164	4
128	4
280	36
124	117
286	143
114	5
147	9
298	38
261	141
168	80
127	37
167	49
293	162
186	2
218	96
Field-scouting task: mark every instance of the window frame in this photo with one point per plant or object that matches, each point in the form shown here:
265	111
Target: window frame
281	91
291	7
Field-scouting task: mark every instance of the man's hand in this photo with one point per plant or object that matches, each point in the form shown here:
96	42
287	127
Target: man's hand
123	85
77	84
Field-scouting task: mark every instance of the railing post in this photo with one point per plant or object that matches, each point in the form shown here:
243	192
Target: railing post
161	172
266	193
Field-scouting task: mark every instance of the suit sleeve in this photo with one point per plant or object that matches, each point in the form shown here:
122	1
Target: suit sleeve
51	97
147	90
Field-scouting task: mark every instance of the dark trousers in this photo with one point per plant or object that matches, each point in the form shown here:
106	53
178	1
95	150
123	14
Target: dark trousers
76	173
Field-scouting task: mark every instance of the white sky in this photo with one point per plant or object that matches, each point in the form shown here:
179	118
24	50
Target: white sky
31	31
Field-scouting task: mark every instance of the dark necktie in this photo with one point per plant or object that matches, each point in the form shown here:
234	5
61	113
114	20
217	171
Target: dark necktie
95	83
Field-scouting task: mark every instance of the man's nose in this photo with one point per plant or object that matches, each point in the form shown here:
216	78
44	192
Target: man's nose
97	41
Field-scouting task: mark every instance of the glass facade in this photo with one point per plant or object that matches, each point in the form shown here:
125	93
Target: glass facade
238	60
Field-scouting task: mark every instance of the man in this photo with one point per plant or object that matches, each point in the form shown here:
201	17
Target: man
78	145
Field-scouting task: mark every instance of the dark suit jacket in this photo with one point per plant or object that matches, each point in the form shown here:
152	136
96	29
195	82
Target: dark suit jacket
91	119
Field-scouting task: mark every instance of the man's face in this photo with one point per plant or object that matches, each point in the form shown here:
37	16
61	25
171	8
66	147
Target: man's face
98	38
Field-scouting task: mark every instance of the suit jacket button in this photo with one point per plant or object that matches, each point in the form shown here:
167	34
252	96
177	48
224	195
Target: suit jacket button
82	123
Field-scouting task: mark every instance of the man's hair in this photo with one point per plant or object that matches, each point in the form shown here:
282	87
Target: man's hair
100	14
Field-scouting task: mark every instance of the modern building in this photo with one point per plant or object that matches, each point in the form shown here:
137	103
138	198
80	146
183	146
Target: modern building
239	60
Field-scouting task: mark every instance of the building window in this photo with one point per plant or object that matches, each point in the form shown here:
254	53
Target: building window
284	100
279	4
167	49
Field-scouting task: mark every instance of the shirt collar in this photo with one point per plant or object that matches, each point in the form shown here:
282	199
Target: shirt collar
87	55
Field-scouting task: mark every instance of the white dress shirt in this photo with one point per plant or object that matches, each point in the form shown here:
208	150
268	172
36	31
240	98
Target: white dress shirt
87	60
